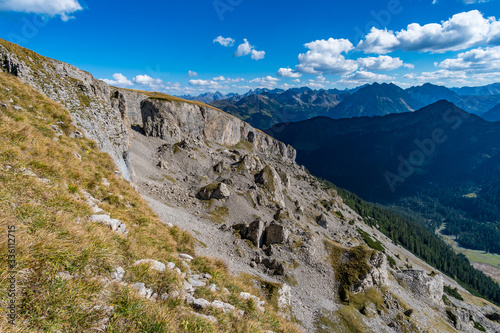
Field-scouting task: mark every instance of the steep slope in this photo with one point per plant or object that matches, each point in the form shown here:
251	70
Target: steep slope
493	114
376	100
81	232
429	93
469	151
299	247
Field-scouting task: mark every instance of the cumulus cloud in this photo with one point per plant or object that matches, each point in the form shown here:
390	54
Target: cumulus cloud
380	63
325	56
368	76
200	82
265	82
119	80
63	8
257	55
461	31
224	41
288	72
439	76
192	74
362	77
245	49
476	60
227	80
146	80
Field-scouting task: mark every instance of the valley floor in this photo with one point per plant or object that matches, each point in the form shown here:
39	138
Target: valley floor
487	263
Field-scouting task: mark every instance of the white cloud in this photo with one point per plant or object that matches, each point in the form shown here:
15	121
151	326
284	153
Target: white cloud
296	80
63	8
380	63
257	55
286	86
361	77
410	66
227	80
288	72
146	80
119	80
439	76
476	60
470	2
245	49
202	82
461	31
192	74
265	82
325	57
224	41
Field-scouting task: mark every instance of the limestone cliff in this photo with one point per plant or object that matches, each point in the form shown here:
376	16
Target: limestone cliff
107	113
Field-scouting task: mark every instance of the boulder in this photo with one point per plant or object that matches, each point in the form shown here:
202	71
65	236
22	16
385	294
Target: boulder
153	264
254	232
249	163
185	256
270	180
322	221
275	234
217	191
115	225
275	265
142	291
118	274
220	167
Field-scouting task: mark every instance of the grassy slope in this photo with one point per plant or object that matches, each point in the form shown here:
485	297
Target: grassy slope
53	235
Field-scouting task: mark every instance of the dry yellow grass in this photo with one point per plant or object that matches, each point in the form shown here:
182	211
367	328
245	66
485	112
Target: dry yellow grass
53	235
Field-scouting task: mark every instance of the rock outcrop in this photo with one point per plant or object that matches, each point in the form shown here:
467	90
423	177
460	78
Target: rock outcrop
173	121
377	276
423	284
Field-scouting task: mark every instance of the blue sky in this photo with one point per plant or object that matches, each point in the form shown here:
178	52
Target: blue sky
193	46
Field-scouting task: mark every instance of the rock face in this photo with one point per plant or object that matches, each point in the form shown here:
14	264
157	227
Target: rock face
420	283
378	275
173	120
87	99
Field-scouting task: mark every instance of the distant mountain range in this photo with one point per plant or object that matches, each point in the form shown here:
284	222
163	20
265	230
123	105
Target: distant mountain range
440	162
264	108
491	89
